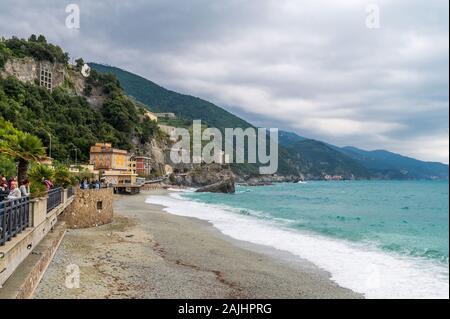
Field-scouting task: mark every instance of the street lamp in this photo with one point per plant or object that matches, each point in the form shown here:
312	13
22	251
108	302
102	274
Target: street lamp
50	147
76	161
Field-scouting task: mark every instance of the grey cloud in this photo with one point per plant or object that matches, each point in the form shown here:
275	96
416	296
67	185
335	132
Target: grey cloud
308	66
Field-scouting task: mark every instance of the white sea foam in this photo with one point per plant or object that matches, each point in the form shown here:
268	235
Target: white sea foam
358	267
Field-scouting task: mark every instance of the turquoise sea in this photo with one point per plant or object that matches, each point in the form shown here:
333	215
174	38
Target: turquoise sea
386	239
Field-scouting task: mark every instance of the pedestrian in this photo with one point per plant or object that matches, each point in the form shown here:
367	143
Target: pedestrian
25	188
48	184
14	192
4	189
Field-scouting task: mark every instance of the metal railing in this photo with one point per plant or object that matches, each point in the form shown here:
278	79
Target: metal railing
70	191
14	218
54	198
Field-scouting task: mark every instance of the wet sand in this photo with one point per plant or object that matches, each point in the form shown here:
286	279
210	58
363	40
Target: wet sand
149	253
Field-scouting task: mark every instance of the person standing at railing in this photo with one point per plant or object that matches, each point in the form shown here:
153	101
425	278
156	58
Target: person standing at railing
48	184
11	180
14	192
25	188
4	189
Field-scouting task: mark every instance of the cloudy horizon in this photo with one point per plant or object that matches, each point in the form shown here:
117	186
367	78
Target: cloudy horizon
311	67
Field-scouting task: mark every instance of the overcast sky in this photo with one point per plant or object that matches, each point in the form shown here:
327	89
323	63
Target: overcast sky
312	67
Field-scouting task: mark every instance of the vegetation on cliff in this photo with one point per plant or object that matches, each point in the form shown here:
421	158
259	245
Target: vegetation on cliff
71	123
19	146
36	47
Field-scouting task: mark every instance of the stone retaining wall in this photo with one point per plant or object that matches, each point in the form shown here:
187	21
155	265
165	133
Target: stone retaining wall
90	208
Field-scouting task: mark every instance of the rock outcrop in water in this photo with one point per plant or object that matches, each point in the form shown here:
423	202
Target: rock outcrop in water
202	175
225	186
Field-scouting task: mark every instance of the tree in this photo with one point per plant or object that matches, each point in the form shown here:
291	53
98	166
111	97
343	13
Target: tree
7	166
41	39
32	38
23	147
79	64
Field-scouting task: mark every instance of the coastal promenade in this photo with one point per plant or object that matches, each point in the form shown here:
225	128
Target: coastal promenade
148	253
24	223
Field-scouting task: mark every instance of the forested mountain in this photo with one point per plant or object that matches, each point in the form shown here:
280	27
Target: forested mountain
189	107
378	163
317	158
298	155
73	122
63	116
386	164
160	99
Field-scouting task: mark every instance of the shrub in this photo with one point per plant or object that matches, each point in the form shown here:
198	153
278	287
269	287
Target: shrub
37	175
62	177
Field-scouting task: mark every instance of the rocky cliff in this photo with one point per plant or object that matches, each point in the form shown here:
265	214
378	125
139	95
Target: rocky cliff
29	70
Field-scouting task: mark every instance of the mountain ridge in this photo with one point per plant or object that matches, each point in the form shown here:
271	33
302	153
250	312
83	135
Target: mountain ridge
346	162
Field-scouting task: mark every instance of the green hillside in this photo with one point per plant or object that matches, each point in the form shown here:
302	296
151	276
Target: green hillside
73	123
68	119
380	164
317	159
386	164
292	161
160	99
187	107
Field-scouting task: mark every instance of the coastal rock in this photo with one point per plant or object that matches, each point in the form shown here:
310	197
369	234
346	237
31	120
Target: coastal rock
225	186
202	175
264	180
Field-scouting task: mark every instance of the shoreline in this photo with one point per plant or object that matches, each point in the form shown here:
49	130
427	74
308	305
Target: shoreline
149	253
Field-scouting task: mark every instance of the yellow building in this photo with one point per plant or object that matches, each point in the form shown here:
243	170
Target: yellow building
104	157
132	166
115	166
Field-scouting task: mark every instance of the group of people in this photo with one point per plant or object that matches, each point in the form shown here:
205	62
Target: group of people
10	189
85	184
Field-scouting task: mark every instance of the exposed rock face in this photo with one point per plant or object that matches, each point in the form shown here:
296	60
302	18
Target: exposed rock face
156	151
28	70
225	186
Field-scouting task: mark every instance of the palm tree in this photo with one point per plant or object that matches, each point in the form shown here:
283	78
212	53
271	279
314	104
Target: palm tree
30	149
23	147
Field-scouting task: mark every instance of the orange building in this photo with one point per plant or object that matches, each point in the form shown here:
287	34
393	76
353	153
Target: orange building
104	157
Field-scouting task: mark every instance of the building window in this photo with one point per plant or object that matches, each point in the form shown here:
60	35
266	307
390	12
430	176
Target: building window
99	205
45	79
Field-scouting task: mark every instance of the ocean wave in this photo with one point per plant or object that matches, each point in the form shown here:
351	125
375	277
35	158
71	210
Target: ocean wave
360	267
